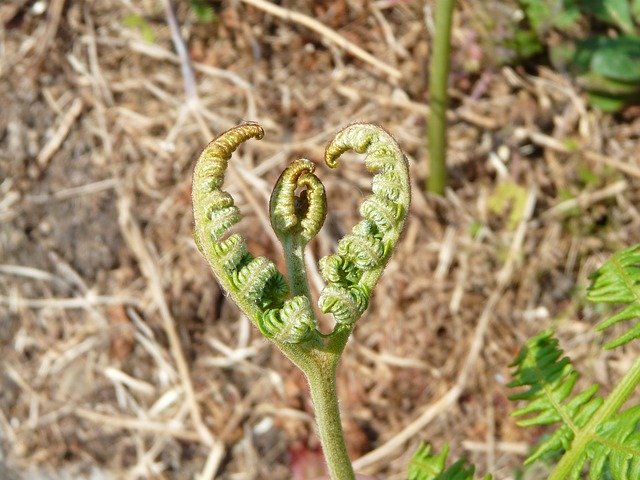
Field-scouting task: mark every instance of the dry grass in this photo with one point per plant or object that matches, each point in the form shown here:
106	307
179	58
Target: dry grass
120	356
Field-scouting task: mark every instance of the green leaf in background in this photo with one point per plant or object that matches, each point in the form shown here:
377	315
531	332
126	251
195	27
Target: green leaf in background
139	23
526	43
544	14
598	83
618	59
204	11
614	12
509	193
606	103
427	466
635	10
575	57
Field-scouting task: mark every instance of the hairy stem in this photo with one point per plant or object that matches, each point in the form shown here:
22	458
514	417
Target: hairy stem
319	365
293	249
616	399
322	383
438	82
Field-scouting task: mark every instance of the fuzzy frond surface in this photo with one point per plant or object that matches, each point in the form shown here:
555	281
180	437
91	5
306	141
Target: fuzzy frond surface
352	272
255	284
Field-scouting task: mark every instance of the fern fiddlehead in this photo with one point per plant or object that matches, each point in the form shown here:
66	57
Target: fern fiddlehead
351	273
255	284
283	310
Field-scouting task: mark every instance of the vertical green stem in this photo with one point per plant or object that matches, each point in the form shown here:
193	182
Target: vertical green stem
438	82
294	257
616	399
322	382
319	367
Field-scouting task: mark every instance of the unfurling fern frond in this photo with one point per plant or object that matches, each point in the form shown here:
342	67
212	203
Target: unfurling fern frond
618	281
283	310
427	466
301	215
293	323
352	273
255	284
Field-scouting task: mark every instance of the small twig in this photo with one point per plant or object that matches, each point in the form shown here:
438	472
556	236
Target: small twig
556	145
325	32
516	448
461	113
67	303
30	272
60	134
506	272
586	199
67	193
158	52
131	423
53	22
133	236
188	77
213	462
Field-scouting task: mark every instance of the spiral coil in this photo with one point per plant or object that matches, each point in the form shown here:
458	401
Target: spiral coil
352	273
255	283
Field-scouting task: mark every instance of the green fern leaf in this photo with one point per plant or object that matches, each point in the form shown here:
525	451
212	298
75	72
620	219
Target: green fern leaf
618	281
609	442
427	466
550	379
618	445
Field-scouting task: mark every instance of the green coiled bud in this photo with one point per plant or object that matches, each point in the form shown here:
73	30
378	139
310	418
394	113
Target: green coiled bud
297	210
298	215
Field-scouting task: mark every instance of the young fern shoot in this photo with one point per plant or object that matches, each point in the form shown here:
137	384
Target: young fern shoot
282	308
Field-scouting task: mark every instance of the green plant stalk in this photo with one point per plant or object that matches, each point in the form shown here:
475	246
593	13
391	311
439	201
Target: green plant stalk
322	384
319	366
293	249
616	399
438	82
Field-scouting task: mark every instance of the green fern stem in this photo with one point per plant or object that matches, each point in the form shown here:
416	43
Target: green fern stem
438	82
325	403
616	399
293	251
319	365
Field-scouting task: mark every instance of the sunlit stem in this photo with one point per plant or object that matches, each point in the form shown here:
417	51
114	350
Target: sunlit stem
438	82
616	399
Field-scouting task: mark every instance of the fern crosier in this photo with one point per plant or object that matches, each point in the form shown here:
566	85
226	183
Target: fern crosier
283	310
351	273
301	216
255	284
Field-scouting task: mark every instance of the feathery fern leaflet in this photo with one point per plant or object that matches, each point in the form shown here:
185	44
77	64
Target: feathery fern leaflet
594	435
